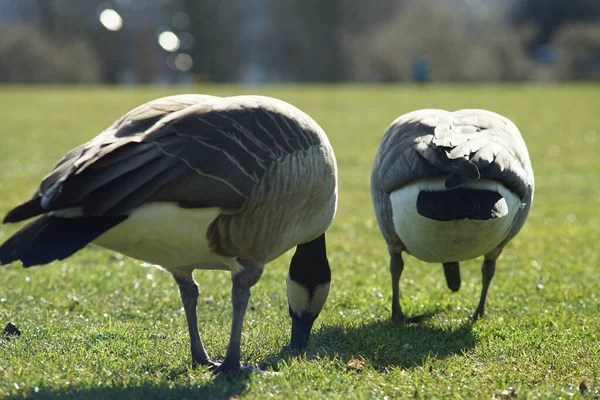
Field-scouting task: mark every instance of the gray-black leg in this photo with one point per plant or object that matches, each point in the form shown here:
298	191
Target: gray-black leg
396	268
308	284
488	268
452	273
240	294
188	289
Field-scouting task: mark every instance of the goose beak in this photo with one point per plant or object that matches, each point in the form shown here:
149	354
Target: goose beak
301	327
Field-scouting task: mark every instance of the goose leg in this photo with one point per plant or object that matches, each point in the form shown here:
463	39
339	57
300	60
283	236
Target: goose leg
452	272
240	294
488	268
396	268
188	289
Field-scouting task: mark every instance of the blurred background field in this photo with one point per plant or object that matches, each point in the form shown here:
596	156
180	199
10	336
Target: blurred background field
98	325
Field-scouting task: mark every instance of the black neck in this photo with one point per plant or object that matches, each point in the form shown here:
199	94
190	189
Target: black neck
309	266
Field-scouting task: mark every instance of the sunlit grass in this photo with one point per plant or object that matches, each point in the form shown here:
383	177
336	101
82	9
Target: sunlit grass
98	325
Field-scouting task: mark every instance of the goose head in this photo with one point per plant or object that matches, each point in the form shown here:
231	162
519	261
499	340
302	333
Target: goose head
308	284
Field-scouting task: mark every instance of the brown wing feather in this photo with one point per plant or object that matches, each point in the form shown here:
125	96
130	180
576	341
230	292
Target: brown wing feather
200	152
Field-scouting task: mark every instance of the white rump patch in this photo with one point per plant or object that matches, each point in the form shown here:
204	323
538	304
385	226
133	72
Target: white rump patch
167	235
443	241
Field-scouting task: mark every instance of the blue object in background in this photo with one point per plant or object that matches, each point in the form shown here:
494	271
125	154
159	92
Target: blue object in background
420	69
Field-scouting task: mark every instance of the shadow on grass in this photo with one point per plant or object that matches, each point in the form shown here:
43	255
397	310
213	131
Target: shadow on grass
381	344
385	344
219	387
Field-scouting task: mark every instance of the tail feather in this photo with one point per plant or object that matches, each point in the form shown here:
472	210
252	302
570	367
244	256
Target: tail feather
461	203
52	238
25	211
452	273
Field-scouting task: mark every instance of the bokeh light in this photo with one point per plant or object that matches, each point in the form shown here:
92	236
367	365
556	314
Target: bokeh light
111	20
168	41
183	62
187	40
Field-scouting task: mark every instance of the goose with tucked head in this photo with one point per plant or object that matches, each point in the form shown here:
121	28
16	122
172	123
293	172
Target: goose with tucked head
449	187
196	182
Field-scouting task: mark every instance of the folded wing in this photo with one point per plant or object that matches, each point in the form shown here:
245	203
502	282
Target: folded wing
198	151
464	145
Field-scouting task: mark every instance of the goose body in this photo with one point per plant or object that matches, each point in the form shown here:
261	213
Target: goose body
196	182
449	187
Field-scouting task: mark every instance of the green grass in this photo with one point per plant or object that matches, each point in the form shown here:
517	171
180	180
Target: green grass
98	325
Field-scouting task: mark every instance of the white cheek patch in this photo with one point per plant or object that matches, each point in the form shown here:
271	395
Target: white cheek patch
319	298
300	300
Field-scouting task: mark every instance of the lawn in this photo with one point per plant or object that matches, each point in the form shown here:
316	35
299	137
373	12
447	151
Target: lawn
99	325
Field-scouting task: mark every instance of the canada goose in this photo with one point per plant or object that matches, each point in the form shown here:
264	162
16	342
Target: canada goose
449	187
196	182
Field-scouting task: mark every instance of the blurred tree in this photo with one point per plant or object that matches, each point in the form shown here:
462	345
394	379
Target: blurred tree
30	56
549	15
359	16
63	20
578	46
47	15
214	25
457	48
266	40
303	40
129	54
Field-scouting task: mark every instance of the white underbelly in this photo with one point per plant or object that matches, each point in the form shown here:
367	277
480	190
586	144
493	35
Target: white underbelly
167	235
444	241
